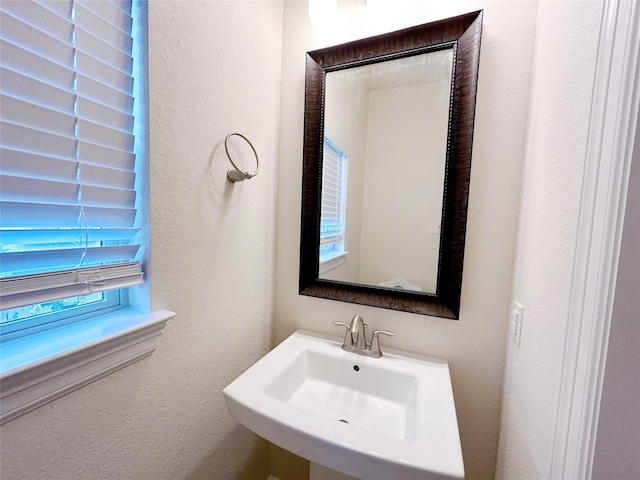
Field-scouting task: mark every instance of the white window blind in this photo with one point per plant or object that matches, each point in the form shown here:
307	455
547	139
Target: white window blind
68	221
332	216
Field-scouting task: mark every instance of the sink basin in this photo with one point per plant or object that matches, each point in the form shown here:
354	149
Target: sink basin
371	418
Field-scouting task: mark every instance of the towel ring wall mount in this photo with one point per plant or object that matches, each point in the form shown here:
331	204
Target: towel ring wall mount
235	174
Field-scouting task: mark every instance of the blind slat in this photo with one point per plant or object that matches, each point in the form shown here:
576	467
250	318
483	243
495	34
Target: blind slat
108	197
50	287
328	240
112	76
105	52
104	94
106	156
104	115
117	14
61	8
35	190
39	30
31	165
63	259
16	189
18	59
21	86
41	15
64	235
26	164
30	283
30	215
34	116
18	137
103	135
108	177
105	25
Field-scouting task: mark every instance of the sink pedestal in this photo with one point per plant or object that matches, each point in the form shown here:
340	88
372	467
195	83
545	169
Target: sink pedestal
318	472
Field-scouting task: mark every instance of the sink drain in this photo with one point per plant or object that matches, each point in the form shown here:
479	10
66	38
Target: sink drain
343	420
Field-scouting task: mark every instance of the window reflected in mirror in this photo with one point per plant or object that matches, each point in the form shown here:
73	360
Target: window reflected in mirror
333	211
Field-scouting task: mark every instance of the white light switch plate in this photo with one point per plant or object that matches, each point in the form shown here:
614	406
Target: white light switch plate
517	312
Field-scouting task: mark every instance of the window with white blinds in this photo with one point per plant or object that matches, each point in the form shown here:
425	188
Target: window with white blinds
68	202
332	216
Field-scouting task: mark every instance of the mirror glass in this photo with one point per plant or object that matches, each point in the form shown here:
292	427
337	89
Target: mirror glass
388	135
389	122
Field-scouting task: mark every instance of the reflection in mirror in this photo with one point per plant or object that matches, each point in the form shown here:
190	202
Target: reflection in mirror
390	119
388	134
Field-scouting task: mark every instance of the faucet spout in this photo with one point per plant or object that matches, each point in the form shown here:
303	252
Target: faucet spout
357	329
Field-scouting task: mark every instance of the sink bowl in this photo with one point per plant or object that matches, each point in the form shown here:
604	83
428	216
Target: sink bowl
371	418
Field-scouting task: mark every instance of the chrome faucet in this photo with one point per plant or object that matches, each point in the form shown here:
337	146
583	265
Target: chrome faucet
355	339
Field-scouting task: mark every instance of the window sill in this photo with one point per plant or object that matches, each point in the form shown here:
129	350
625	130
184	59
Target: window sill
332	262
39	368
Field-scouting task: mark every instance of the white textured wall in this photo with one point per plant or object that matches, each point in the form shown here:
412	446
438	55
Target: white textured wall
474	345
215	68
404	182
566	40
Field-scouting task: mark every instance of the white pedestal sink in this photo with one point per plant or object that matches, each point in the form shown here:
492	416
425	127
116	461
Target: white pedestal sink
372	418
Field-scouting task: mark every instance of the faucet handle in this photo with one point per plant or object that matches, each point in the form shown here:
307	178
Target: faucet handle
383	332
347	337
375	342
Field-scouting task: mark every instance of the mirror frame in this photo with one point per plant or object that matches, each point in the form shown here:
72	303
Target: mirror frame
462	33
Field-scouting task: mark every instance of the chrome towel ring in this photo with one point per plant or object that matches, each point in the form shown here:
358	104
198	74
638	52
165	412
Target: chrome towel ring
236	175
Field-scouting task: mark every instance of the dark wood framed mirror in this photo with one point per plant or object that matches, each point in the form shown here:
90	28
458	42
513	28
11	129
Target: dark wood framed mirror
393	114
